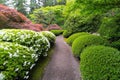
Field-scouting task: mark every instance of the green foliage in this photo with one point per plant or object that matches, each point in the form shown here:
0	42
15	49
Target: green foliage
116	44
101	2
100	63
57	32
15	61
66	33
82	18
38	71
48	15
110	24
50	36
84	41
33	5
71	39
61	2
2	1
69	7
33	40
86	15
20	5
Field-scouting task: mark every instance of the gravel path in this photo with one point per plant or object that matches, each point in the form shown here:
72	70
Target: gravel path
63	66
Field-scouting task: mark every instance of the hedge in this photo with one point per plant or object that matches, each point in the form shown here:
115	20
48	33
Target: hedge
31	39
83	41
71	39
100	63
15	61
57	32
67	33
50	36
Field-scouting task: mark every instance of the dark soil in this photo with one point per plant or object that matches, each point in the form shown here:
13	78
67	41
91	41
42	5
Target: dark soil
63	65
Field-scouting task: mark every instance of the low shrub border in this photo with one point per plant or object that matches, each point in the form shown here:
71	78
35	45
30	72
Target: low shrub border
84	41
57	32
71	39
50	36
31	39
15	61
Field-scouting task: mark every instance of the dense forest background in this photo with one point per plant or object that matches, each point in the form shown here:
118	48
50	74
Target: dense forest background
27	6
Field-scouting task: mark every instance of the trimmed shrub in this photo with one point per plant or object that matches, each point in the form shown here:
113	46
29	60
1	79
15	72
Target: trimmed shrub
83	41
15	61
66	33
116	44
57	32
31	39
71	39
50	36
100	63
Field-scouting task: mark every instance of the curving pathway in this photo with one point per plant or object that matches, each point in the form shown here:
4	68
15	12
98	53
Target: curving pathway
63	65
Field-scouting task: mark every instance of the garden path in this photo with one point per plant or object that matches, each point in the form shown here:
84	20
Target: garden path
63	65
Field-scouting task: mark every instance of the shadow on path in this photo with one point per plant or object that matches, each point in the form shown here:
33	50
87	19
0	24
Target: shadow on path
63	66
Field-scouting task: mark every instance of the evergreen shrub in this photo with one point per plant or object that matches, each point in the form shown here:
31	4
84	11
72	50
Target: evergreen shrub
84	41
15	61
100	63
33	40
67	33
71	39
57	32
50	36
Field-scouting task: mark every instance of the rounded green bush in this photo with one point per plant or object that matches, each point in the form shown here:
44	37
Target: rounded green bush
100	63
66	33
50	36
83	41
31	39
57	32
15	60
71	39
